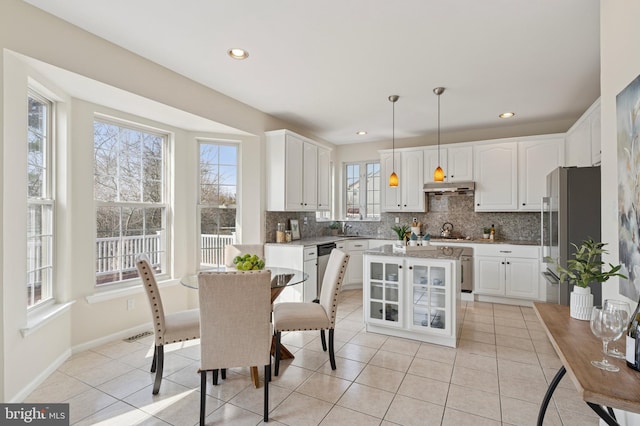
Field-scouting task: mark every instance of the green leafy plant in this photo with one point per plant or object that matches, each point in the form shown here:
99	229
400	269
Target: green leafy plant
334	225
486	230
586	266
401	230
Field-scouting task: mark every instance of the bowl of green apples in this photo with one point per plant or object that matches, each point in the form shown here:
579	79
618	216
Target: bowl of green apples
248	262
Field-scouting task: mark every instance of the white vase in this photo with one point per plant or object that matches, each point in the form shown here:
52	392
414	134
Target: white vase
581	303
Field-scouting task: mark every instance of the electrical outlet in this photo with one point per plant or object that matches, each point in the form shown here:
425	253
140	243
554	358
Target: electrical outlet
131	304
414	219
397	220
305	221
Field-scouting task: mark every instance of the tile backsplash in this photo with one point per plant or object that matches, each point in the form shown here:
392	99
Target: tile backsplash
455	209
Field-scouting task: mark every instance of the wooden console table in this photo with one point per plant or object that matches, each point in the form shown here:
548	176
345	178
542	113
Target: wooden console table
576	346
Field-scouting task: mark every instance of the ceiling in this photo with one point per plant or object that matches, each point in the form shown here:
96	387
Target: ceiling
329	66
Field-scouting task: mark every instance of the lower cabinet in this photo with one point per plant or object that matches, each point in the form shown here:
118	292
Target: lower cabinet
296	257
355	248
507	271
415	298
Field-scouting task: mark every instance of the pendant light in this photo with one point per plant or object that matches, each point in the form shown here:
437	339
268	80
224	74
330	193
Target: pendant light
438	174
393	179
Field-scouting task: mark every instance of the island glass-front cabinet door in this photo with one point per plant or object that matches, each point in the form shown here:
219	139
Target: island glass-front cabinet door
384	291
429	284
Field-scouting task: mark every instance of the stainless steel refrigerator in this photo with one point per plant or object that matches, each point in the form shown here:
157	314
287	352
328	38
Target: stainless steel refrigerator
570	214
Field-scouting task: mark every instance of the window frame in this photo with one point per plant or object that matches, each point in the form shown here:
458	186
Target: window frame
165	179
48	198
364	192
200	206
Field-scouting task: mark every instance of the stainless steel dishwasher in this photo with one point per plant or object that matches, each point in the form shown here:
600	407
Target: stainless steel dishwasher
324	250
466	266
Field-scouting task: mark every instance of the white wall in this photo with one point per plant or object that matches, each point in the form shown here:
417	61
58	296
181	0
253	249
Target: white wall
620	37
620	64
32	33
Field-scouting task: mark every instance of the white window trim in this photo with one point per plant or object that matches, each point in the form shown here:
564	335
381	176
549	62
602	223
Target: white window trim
42	94
167	196
363	195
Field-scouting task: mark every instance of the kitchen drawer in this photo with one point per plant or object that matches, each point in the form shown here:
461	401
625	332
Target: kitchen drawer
507	250
357	245
310	253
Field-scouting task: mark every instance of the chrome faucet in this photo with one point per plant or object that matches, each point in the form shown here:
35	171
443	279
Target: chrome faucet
345	228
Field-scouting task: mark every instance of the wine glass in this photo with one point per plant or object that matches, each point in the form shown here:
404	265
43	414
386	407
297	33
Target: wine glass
624	309
605	324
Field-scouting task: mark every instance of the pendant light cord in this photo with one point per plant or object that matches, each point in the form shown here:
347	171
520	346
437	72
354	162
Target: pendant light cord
438	130
393	134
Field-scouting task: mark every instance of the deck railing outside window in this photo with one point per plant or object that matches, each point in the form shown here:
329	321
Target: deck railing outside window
110	251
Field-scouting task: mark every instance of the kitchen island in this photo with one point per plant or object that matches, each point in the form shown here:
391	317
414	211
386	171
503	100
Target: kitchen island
413	292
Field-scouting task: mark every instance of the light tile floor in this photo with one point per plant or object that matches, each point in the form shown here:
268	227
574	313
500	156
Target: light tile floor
497	375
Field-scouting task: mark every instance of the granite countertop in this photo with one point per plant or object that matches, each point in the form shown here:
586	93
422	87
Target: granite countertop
314	241
420	252
485	241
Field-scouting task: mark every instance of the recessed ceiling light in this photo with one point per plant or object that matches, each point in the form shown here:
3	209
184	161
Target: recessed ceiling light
237	53
361	133
507	114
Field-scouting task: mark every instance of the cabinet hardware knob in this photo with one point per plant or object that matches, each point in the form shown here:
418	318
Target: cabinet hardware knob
478	204
508	263
524	204
503	263
405	205
399	266
410	267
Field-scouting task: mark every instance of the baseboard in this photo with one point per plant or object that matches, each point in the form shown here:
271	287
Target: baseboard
355	286
40	378
112	337
503	300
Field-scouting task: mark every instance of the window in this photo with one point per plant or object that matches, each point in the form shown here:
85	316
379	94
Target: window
362	190
217	199
40	200
130	188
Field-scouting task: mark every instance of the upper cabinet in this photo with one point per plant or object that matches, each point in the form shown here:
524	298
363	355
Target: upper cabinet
293	173
511	176
536	158
324	178
496	176
582	140
457	163
408	196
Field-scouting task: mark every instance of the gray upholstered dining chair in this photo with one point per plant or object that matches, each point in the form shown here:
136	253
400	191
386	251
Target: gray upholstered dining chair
235	325
293	316
167	328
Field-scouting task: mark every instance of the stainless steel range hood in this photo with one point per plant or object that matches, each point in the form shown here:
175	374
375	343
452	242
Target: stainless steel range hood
449	187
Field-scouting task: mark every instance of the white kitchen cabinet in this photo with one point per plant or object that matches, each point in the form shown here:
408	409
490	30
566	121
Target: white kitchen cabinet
536	158
496	176
504	270
324	179
408	196
292	172
310	267
582	140
412	297
431	302
595	121
384	291
355	248
304	258
457	163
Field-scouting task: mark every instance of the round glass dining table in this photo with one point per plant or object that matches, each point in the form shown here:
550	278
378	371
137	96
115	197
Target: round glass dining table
280	278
